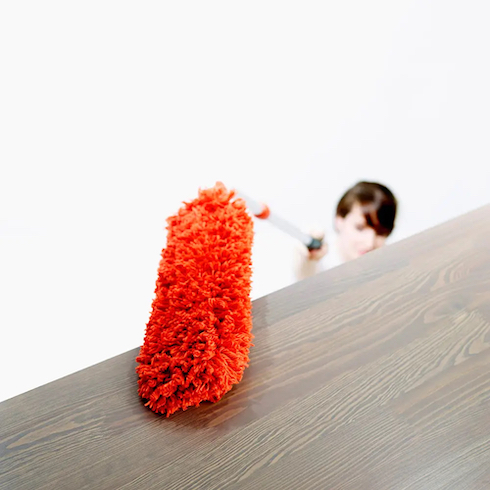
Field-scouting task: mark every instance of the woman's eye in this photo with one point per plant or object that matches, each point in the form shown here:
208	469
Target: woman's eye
360	227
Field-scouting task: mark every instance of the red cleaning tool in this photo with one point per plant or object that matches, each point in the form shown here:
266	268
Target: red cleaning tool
199	333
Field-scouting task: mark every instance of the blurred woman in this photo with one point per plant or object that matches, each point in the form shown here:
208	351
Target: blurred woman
364	219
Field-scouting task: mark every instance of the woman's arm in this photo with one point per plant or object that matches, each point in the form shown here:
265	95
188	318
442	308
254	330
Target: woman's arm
308	263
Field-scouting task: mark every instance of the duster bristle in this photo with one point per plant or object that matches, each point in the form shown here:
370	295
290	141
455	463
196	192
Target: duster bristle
199	334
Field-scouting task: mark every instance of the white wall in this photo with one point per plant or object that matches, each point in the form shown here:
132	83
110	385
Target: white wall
112	113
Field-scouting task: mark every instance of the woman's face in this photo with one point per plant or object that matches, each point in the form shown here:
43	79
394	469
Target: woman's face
355	236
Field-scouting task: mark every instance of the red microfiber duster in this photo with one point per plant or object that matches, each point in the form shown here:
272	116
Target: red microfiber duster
200	329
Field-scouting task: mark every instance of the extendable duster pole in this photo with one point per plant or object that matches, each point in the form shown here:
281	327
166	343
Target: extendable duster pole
262	211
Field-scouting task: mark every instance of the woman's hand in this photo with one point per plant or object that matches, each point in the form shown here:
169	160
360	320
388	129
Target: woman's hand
318	253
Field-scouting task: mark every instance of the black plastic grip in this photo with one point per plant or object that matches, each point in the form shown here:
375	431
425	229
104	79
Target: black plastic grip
315	244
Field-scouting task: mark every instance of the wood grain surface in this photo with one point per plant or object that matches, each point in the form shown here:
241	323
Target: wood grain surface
373	375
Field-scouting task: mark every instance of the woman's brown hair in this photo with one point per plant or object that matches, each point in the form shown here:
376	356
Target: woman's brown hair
377	202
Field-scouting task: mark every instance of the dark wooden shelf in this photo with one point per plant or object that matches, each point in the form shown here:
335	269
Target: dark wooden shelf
373	375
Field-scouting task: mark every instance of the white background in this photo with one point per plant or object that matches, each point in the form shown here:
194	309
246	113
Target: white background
113	113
